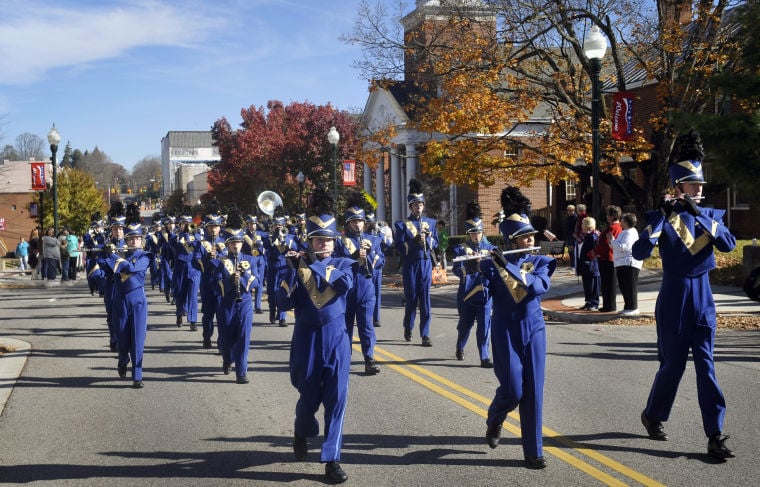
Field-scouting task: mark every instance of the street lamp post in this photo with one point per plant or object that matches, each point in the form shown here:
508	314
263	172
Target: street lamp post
54	138
333	137
594	47
300	178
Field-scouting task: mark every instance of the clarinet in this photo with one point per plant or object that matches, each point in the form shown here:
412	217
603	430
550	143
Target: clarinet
424	238
236	281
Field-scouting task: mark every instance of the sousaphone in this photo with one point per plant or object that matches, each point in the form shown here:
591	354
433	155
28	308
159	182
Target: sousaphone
268	201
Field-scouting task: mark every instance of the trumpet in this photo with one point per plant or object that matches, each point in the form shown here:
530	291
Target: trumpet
463	258
366	245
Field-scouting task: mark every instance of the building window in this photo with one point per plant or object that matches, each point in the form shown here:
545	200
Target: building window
738	202
570	189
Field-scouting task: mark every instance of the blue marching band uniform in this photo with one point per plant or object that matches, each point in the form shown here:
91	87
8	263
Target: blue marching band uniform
686	235
474	301
416	240
212	246
253	244
186	247
362	247
279	243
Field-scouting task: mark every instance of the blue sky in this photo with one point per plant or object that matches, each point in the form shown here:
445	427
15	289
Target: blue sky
121	74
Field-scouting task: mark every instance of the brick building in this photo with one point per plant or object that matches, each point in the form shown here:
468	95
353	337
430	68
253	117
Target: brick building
19	205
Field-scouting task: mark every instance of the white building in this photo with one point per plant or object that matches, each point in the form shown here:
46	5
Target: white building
190	150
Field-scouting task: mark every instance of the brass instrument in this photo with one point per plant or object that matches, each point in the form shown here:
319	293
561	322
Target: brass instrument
462	258
366	245
268	201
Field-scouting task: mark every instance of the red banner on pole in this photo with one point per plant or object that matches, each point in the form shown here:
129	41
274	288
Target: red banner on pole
622	116
349	172
39	181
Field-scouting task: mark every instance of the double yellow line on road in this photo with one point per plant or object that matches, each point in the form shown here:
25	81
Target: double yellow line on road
474	402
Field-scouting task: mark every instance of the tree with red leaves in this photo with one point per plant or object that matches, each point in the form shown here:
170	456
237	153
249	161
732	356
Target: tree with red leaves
272	145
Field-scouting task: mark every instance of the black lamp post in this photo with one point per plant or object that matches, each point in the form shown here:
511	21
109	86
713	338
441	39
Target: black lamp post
54	138
333	137
594	47
300	178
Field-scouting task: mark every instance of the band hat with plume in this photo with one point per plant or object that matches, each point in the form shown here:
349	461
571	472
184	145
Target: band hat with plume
415	192
279	217
251	219
133	226
213	216
116	216
321	222
516	208
371	218
687	165
473	222
355	208
234	231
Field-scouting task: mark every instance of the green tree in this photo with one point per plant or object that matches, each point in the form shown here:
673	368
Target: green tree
67	160
78	199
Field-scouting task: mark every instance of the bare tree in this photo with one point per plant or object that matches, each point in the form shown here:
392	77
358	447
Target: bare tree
30	146
147	172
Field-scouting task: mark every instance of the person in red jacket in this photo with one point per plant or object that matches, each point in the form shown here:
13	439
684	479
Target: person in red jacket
603	253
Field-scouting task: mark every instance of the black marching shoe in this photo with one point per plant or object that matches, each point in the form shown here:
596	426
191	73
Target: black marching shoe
193	327
207	343
493	435
655	430
300	447
179	320
271	318
407	334
334	473
138	384
122	371
716	447
242	379
112	346
535	463
459	354
226	367
258	311
283	324
376	324
370	367
486	363
426	342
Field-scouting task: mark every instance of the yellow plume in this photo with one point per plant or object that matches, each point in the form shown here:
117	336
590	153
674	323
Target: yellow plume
369	199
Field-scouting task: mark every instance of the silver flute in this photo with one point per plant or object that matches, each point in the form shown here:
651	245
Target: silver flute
463	258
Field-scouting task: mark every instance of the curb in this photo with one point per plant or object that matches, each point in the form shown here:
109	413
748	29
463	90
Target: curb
11	365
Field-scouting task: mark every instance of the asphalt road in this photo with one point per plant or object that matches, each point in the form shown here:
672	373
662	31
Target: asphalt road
72	421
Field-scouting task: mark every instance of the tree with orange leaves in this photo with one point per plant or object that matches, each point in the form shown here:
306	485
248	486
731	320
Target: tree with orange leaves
526	64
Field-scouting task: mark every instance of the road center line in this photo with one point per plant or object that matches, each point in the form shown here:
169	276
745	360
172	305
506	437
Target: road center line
418	374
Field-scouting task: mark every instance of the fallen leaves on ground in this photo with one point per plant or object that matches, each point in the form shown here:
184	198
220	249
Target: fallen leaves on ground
725	322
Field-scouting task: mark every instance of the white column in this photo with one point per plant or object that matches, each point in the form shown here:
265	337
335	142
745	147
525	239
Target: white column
396	193
367	182
411	162
380	190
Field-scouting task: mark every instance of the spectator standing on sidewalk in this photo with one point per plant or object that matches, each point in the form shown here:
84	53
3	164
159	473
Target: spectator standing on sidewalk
626	267
72	246
443	242
35	254
570	221
588	266
22	253
51	254
603	252
63	239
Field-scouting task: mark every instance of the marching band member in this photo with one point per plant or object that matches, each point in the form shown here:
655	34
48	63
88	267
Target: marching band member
299	231
187	274
93	240
473	300
212	246
357	245
416	240
518	331
115	241
233	278
686	235
382	232
166	240
130	308
254	245
316	287
279	243
151	246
